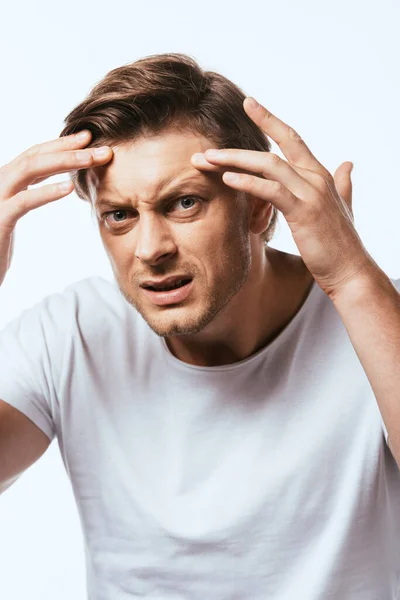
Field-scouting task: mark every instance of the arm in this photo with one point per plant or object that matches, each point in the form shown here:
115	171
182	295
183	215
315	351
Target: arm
318	210
21	444
370	310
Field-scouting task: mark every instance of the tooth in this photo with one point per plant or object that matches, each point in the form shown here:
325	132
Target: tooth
171	286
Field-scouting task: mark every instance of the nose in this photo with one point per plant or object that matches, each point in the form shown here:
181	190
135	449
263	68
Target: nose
154	242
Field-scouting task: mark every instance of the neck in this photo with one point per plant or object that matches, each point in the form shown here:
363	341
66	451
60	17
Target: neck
273	294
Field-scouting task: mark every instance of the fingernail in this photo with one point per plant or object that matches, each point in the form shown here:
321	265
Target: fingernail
231	177
64	186
100	152
212	153
198	157
82	135
252	102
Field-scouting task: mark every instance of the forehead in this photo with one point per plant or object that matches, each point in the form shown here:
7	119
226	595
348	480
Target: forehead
149	164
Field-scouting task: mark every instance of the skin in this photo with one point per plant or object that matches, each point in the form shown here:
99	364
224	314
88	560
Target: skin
244	293
33	166
318	210
316	205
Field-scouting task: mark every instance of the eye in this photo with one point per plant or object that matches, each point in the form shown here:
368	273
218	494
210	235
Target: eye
185	203
120	213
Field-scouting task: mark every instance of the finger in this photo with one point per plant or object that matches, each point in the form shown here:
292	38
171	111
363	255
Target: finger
288	140
68	142
271	191
200	162
343	183
27	200
266	164
29	169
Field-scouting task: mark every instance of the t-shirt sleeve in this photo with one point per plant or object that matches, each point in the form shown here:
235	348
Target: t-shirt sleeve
25	367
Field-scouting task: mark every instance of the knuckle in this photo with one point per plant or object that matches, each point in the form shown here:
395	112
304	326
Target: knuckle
276	187
83	156
32	151
25	163
273	159
293	135
14	209
323	180
20	203
267	116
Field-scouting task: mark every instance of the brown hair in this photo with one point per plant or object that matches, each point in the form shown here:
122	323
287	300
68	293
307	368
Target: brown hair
163	91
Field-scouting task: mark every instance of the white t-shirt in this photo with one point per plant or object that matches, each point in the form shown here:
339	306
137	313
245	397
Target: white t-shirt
265	479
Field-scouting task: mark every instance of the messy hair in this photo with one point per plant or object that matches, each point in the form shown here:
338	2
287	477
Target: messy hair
160	92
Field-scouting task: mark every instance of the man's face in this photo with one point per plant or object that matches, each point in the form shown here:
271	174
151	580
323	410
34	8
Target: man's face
168	219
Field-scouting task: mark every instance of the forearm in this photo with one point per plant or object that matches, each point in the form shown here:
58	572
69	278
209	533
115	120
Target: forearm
370	311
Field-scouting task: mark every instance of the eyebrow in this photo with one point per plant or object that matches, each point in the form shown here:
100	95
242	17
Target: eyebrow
179	188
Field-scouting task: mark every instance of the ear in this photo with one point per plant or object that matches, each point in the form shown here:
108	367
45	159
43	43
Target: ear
259	214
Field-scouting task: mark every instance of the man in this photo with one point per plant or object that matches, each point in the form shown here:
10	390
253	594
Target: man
222	408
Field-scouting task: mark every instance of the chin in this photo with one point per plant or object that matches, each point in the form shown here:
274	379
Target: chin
192	318
177	321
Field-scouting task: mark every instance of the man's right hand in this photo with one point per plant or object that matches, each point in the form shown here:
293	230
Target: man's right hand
31	167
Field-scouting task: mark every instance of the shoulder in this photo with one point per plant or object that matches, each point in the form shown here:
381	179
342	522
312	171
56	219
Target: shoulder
89	297
95	294
85	305
91	305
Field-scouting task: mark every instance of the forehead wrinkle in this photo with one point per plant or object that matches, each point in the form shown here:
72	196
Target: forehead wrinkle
174	181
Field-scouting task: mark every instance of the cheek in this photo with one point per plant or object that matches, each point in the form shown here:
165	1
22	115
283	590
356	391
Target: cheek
218	249
218	227
120	253
196	236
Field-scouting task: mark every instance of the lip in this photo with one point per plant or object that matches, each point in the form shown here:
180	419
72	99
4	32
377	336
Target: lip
170	297
163	282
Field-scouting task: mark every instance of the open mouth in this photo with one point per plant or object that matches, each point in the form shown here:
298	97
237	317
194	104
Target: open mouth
166	288
176	292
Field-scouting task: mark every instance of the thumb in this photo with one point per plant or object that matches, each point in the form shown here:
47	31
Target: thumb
343	182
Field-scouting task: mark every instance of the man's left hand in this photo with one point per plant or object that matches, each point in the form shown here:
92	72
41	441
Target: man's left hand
316	206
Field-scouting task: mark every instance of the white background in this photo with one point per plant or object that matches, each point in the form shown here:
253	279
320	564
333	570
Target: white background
330	69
